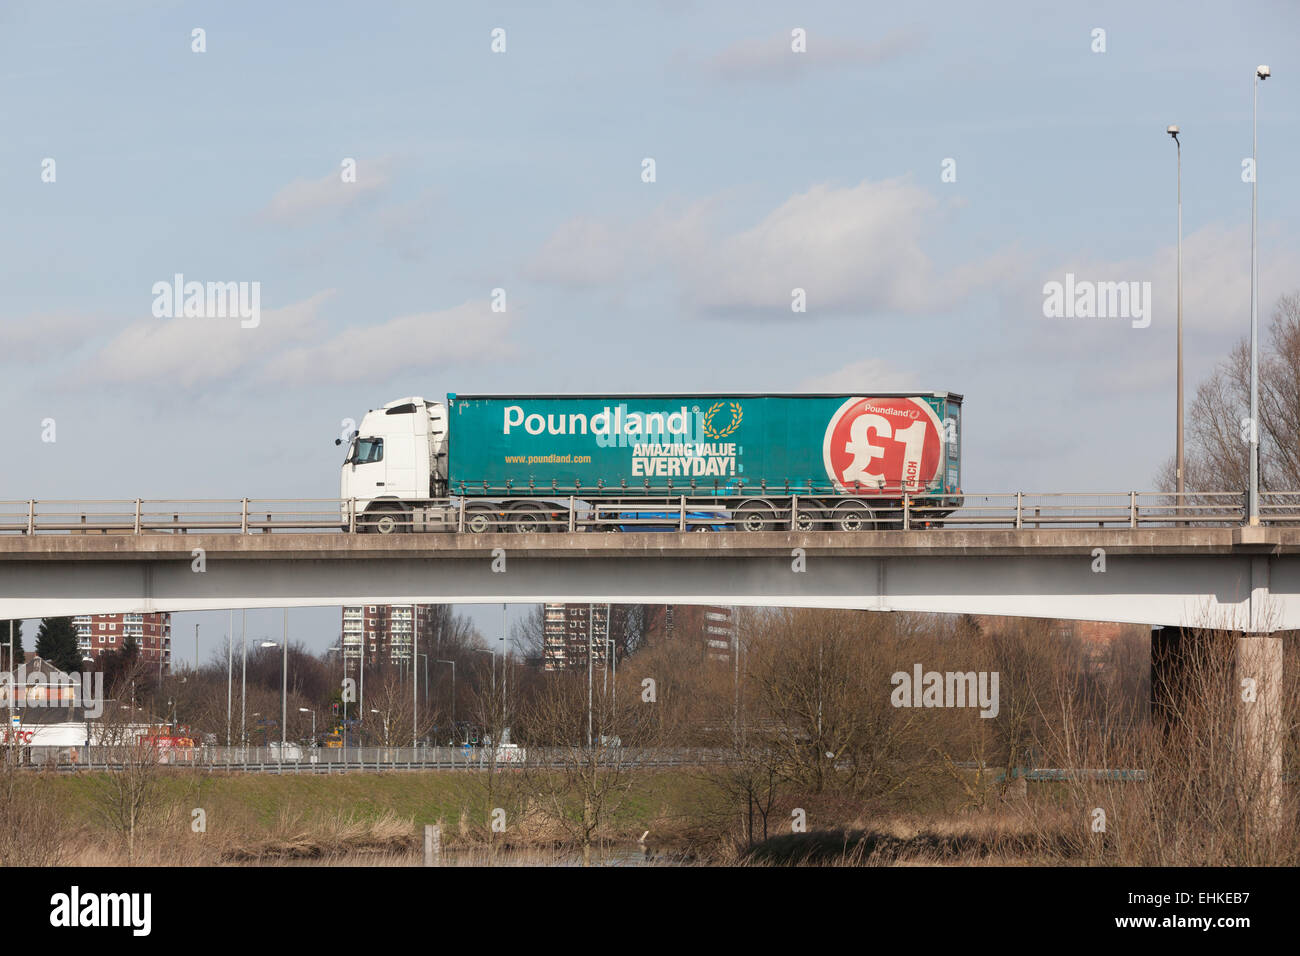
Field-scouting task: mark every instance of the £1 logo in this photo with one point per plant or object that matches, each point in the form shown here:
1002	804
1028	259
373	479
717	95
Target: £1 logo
883	444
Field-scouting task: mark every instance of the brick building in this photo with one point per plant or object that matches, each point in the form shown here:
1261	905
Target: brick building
570	628
384	633
100	633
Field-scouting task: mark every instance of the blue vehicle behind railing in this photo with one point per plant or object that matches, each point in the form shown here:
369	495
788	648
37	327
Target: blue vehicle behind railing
710	519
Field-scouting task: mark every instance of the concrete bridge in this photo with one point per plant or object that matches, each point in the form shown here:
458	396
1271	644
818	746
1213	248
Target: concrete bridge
1114	564
1236	577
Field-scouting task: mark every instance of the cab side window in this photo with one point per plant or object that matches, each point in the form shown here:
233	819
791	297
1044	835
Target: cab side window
369	450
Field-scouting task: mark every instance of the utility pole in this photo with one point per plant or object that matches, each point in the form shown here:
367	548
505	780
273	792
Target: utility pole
504	608
13	691
230	672
243	682
591	611
1179	477
1261	73
415	677
284	686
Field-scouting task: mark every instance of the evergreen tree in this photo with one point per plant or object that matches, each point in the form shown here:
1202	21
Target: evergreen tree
19	654
119	666
56	642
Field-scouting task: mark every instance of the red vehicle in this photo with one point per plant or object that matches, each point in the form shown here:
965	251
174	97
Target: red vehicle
173	746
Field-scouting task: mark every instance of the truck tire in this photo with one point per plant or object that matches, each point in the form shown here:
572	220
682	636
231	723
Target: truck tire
528	519
385	521
852	516
480	521
812	515
754	517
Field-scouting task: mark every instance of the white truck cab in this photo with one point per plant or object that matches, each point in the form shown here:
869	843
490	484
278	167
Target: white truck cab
398	454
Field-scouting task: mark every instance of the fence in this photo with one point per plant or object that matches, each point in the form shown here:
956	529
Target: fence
297	759
765	511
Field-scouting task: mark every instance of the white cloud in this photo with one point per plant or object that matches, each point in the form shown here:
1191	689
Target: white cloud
582	252
861	378
468	332
191	352
407	228
771	57
294	346
852	249
1110	352
305	200
857	248
37	337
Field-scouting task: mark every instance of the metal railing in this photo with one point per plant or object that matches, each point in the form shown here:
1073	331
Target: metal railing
304	759
650	513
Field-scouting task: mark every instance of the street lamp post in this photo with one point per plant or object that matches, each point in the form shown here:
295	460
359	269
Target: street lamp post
243	680
590	614
284	682
440	660
13	691
1173	131
486	650
415	677
503	666
284	712
1262	72
308	710
230	672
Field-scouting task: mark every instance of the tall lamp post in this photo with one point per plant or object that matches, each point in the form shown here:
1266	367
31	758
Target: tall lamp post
1178	501
439	660
415	676
284	686
230	672
486	650
1262	72
243	680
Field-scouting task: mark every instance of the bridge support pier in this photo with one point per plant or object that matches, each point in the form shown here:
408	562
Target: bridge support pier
1259	725
1211	684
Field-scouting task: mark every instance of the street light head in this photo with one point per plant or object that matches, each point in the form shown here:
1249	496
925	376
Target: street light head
1173	131
1263	72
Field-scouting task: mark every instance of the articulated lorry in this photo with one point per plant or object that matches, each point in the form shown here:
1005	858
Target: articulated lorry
489	463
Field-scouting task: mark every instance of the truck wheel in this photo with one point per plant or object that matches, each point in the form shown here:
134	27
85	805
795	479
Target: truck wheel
810	517
386	521
528	520
853	516
479	521
754	518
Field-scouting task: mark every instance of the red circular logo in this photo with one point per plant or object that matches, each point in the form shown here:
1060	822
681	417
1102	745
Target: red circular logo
890	444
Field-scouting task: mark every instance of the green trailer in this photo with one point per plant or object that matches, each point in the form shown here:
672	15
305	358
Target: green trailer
737	448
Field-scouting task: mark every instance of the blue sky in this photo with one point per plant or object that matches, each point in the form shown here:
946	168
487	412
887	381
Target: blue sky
522	170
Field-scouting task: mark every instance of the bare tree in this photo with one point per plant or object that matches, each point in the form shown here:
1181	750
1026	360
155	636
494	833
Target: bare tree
1217	451
128	794
583	786
529	637
29	825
